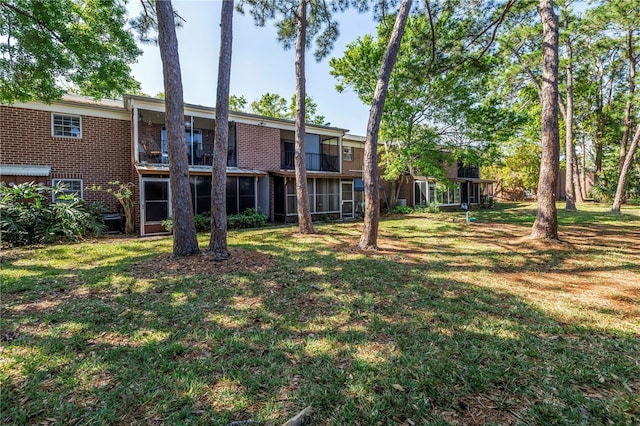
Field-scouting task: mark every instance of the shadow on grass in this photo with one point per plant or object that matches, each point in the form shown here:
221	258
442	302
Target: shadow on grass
363	339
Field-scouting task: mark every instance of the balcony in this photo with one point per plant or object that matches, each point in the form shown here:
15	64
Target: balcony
469	172
154	151
315	162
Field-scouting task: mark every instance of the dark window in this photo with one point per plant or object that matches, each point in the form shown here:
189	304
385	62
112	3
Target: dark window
201	194
156	195
232	195
246	193
241	194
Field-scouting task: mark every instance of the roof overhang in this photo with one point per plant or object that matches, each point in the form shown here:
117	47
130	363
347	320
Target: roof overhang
473	180
208	112
145	168
24	170
312	174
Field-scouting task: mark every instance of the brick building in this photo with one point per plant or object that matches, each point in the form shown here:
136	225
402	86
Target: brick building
81	143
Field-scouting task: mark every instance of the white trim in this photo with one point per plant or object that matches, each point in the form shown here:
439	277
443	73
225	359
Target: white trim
77	108
352	200
143	221
200	111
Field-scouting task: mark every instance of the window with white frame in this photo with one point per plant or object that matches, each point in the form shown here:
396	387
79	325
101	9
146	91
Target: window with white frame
66	126
347	153
324	196
66	187
421	188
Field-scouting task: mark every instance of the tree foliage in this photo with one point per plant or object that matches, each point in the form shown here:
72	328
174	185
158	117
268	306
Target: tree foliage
274	105
437	110
47	47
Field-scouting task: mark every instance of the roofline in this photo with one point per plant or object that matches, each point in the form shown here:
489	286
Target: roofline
237	114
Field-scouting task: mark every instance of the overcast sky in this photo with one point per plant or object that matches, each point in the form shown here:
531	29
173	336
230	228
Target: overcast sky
259	63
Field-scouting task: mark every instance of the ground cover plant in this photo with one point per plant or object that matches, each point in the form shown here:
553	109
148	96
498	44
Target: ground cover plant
448	323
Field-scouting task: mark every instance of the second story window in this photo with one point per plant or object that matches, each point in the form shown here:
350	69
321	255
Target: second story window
66	126
469	172
347	153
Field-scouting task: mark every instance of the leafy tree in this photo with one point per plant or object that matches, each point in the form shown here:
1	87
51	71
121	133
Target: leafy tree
311	111
185	242
625	171
218	242
270	105
436	110
274	105
84	45
369	236
237	103
546	223
301	21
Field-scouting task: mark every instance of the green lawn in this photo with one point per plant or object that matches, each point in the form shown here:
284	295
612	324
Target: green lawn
448	323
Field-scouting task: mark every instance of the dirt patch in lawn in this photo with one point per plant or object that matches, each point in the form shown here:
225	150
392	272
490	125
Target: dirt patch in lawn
204	263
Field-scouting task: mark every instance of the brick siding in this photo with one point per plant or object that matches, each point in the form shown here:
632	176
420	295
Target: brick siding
103	153
258	147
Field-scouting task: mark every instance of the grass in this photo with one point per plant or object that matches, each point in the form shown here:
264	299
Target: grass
449	323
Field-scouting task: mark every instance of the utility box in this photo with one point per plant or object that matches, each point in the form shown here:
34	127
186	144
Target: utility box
113	222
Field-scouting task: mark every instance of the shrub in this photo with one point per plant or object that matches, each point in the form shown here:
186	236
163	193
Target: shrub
401	210
202	222
250	218
168	224
433	208
27	217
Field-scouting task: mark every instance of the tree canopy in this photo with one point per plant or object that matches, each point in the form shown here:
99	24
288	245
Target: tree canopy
47	47
275	105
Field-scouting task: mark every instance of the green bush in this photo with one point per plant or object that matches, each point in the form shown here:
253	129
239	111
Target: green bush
250	218
168	224
202	222
401	210
28	217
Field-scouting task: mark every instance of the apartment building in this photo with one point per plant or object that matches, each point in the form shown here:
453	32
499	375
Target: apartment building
84	143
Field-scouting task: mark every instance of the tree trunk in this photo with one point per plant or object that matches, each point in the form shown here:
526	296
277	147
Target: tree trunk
218	241
369	238
584	169
570	200
185	242
622	180
600	124
546	223
629	106
305	223
576	180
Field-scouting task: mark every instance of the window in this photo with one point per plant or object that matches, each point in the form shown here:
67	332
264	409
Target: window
201	193
67	187
420	193
156	199
347	153
66	126
232	152
241	194
324	196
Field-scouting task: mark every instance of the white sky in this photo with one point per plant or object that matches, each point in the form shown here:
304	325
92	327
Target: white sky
259	62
